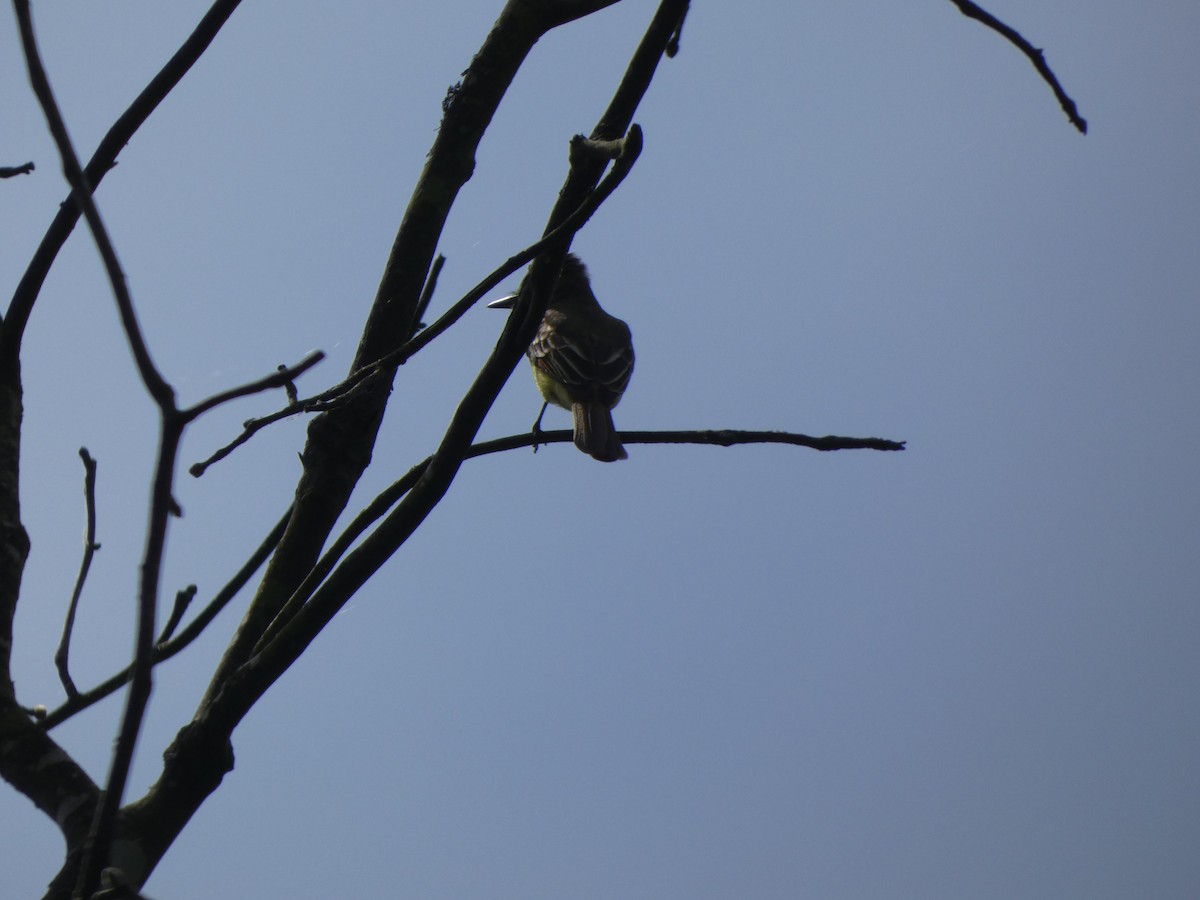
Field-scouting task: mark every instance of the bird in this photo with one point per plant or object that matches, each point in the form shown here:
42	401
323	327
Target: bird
582	358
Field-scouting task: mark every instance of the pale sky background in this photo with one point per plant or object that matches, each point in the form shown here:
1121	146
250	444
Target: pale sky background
965	671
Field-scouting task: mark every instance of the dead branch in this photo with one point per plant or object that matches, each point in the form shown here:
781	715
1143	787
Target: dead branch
61	657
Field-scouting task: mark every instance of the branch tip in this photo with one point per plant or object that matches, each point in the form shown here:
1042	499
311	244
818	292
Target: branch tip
11	171
672	49
1035	55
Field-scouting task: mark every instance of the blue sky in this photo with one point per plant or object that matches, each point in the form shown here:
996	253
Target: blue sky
967	670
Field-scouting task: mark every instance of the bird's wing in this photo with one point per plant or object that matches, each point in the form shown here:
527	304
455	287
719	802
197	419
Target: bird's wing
591	368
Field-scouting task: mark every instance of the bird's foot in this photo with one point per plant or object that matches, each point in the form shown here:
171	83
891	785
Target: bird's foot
536	431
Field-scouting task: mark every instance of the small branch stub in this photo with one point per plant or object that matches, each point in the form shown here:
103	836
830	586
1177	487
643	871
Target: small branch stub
12	171
289	386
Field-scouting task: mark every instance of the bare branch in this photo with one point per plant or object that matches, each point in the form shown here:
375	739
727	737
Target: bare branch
289	386
183	599
973	11
426	292
676	36
89	549
560	12
722	437
282	377
371	513
165	650
10	171
249	428
34	764
101	162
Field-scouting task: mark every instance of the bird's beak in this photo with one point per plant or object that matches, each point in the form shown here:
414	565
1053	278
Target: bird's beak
504	302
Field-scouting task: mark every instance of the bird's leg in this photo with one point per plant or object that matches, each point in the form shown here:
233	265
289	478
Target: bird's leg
537	427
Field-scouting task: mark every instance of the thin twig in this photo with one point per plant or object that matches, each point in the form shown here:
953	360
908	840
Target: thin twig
729	437
430	286
289	386
282	377
249	429
722	437
183	599
973	11
61	658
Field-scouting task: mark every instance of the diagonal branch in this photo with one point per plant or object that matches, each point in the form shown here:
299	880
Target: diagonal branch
37	766
183	599
281	377
426	298
1014	37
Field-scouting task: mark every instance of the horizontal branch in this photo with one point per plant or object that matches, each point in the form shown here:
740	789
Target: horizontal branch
727	437
11	171
722	437
391	495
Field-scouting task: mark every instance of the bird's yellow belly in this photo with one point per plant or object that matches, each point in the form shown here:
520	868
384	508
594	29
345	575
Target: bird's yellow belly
552	391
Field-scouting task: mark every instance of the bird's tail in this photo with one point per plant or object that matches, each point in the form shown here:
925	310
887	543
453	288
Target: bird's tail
595	434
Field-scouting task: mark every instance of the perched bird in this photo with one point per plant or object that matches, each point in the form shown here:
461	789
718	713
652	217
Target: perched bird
582	359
